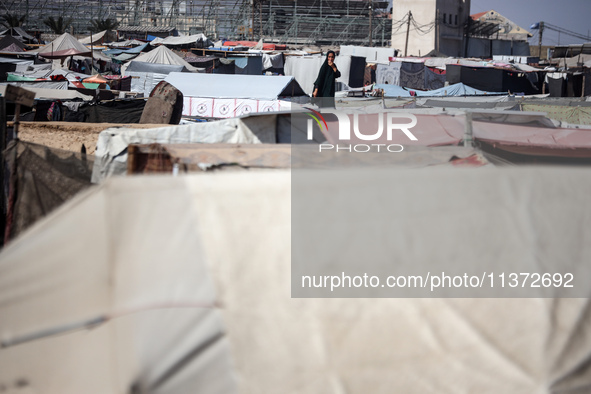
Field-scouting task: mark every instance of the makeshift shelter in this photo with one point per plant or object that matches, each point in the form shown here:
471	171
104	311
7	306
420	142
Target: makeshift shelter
64	46
224	96
493	79
161	285
458	89
161	55
111	152
11	44
19	33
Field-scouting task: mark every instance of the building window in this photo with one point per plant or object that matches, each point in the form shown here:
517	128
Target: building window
444	18
456	20
450	19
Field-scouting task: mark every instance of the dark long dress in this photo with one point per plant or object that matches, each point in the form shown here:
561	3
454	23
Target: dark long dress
325	83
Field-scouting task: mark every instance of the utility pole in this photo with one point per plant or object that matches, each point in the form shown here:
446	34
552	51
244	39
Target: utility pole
260	19
407	31
370	15
540	44
252	20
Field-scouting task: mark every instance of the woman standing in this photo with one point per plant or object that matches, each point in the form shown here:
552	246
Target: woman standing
324	87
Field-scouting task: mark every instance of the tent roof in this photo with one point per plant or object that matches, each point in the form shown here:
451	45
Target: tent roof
136	50
183	296
235	86
9	41
154	67
63	46
96	37
181	40
58	94
163	55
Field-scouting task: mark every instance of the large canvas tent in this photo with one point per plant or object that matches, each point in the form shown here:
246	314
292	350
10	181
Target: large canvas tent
64	46
160	285
223	96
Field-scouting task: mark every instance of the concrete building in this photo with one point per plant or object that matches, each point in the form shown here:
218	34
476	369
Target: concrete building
433	25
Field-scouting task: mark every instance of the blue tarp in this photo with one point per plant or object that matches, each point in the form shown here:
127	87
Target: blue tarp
136	50
458	89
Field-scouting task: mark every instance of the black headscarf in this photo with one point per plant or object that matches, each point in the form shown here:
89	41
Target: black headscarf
326	79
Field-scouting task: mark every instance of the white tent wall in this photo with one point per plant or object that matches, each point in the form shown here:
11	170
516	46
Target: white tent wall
142	82
154	255
371	55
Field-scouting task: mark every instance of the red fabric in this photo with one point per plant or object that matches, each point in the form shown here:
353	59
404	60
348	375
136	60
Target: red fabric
251	44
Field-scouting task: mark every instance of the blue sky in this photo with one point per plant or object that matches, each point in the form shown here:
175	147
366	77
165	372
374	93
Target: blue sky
573	15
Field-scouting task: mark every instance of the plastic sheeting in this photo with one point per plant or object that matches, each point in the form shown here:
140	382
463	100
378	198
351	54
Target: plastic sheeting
183	296
458	89
111	152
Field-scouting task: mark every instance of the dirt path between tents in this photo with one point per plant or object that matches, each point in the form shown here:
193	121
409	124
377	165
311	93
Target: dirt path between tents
69	135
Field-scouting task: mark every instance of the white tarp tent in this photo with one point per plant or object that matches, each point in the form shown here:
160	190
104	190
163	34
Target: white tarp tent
226	96
94	38
182	284
161	55
111	151
63	46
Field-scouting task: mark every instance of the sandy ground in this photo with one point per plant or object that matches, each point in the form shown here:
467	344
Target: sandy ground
69	135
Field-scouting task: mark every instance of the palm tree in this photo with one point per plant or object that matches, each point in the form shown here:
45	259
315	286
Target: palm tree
9	20
103	24
59	25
